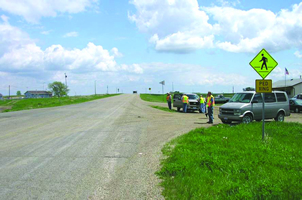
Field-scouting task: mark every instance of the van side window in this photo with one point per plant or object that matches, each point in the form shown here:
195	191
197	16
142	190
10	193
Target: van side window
258	98
280	97
269	98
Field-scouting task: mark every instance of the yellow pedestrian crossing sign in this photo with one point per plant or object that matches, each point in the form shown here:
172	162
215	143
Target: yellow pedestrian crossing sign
263	63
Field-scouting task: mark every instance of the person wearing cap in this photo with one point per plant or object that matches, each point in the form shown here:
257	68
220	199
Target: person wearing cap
169	99
185	101
210	106
202	104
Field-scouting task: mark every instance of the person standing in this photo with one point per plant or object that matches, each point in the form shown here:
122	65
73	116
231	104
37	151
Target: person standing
202	104
210	107
185	101
169	99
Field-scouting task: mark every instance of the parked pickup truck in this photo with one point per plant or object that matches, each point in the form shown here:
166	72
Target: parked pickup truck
221	99
193	102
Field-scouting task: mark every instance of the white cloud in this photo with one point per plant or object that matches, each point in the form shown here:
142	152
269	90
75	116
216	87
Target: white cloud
279	73
116	53
46	32
19	53
4	18
11	37
183	26
177	26
33	10
298	54
228	3
249	31
182	42
71	34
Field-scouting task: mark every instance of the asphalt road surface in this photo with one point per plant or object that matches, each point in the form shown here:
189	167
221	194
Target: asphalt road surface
103	149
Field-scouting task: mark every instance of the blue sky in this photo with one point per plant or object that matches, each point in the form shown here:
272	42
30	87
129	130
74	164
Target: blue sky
133	45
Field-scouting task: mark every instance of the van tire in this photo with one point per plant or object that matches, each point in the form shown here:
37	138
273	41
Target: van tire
248	118
178	109
280	117
297	110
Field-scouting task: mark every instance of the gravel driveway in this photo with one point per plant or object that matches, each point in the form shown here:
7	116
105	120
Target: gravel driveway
103	149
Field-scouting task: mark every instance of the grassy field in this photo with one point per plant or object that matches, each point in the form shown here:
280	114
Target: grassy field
162	97
163	108
154	97
26	104
232	162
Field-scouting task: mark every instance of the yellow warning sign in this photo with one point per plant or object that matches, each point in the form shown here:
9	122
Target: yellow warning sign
263	63
264	86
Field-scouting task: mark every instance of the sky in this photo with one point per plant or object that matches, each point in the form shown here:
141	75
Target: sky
127	45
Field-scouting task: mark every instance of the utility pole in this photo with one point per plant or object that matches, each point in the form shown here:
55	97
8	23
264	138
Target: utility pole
9	92
107	89
94	87
65	79
172	87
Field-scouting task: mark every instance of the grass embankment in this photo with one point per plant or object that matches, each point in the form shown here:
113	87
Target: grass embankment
162	97
163	108
26	104
224	162
154	97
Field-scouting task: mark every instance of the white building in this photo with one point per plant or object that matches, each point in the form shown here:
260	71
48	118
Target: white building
291	86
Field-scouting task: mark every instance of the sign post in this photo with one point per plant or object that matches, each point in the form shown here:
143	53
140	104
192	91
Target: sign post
263	64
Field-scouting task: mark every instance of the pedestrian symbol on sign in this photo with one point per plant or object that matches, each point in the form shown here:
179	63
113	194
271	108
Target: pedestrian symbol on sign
264	60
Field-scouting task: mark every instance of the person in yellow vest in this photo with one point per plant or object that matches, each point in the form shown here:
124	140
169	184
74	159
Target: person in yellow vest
210	107
185	101
169	99
202	104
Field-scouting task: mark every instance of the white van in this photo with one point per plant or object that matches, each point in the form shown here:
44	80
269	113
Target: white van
247	106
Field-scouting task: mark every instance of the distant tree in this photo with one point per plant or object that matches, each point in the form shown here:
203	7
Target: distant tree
249	89
19	93
58	89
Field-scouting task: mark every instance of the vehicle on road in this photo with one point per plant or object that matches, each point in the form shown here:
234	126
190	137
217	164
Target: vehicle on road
247	106
295	105
221	99
298	96
193	101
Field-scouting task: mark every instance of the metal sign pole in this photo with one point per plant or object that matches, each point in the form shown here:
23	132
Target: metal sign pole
263	114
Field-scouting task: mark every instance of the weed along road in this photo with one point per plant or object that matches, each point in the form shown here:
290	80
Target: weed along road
102	149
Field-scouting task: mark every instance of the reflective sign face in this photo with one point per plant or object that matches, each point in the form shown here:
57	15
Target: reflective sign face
264	86
263	63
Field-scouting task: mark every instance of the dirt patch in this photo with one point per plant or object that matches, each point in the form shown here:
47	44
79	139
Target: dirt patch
2	108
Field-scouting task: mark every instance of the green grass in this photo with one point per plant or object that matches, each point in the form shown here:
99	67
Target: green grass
154	97
232	162
162	97
163	108
26	104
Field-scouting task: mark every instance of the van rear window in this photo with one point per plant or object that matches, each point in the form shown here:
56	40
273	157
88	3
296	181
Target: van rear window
280	97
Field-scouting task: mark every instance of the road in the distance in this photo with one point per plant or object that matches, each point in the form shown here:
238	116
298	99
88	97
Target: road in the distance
103	149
